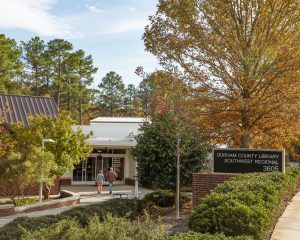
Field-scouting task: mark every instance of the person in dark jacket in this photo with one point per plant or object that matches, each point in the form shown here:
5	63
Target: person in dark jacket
111	177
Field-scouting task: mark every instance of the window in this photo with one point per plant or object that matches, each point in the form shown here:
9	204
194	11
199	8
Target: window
109	151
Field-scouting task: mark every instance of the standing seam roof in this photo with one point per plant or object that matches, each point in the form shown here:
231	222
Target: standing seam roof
18	108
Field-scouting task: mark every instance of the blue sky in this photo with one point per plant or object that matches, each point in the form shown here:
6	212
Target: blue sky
109	30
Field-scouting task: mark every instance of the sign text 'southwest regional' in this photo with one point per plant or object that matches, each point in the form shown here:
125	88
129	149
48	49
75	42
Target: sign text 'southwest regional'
248	160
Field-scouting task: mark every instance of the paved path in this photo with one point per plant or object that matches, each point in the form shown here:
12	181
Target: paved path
88	195
288	225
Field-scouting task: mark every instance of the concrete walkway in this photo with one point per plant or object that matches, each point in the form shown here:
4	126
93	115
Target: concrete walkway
88	195
288	225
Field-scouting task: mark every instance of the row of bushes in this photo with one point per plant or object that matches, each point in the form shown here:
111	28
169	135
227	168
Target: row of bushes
128	208
248	204
115	228
243	208
111	228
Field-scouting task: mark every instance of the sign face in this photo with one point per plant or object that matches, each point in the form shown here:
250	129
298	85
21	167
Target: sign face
248	160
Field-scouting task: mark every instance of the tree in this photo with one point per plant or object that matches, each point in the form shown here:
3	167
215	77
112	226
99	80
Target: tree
40	166
10	65
59	51
14	179
85	72
156	153
170	96
241	57
34	61
69	148
129	99
112	91
144	93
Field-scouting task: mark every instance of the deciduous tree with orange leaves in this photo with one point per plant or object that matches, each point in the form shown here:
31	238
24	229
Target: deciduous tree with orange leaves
242	59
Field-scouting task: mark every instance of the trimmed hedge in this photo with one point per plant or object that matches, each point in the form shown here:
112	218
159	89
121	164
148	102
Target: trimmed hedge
164	198
110	228
129	208
245	205
200	236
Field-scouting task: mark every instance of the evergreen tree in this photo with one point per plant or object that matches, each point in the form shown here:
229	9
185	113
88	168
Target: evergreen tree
156	153
59	50
34	61
10	65
112	91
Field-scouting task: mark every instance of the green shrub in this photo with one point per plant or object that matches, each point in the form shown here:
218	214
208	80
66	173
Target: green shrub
25	201
245	205
165	198
200	236
21	201
14	229
111	228
65	229
128	208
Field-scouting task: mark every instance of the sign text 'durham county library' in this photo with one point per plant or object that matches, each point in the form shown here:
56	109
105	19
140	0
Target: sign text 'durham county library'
248	160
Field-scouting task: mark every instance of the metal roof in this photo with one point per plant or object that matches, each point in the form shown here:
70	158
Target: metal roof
118	120
17	108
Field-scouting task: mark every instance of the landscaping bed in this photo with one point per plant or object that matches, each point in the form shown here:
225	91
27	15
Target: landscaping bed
127	208
27	205
20	202
243	208
247	204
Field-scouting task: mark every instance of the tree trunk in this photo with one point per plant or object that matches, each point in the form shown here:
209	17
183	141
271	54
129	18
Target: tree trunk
58	96
245	140
46	191
80	111
177	200
36	83
58	83
245	136
69	98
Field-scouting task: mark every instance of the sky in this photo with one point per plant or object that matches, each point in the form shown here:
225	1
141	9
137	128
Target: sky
110	30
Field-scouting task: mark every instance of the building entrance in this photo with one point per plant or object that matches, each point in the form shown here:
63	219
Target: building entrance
86	172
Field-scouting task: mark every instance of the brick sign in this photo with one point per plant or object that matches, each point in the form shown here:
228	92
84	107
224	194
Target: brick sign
248	160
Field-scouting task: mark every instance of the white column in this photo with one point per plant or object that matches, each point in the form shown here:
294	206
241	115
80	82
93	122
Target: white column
136	183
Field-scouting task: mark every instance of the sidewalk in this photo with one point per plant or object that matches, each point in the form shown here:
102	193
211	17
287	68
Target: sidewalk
288	225
88	195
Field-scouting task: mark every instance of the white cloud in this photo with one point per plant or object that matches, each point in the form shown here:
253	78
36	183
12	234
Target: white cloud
131	9
123	27
34	16
94	9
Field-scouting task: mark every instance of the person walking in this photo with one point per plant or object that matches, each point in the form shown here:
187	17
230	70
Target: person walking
111	177
100	180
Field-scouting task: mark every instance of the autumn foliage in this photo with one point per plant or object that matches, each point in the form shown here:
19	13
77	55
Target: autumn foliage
240	59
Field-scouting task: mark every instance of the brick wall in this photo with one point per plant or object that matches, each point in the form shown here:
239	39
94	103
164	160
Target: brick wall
69	200
34	190
6	210
65	181
203	183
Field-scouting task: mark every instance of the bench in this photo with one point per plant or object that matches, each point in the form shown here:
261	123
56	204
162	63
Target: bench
121	194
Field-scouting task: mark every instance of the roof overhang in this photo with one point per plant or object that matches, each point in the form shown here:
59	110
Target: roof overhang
112	142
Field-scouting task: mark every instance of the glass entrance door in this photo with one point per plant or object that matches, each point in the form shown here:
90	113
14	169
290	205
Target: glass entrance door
90	170
87	170
103	164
